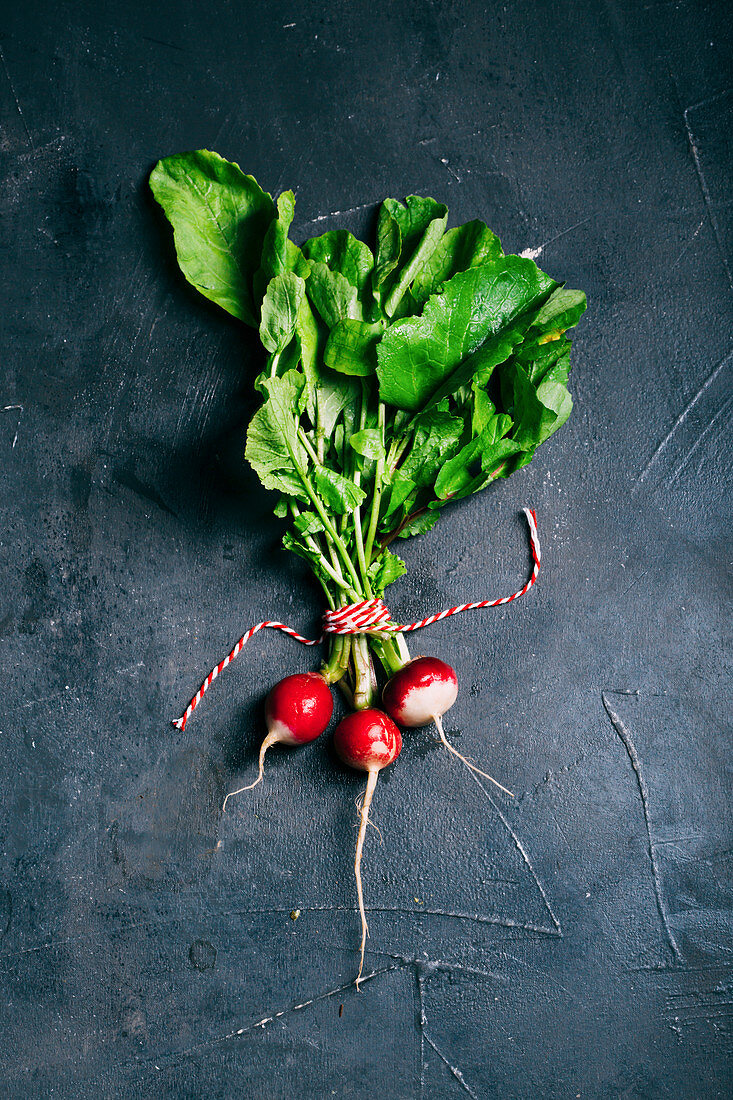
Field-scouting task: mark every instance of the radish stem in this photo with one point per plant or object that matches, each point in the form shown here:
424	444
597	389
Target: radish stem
446	742
377	497
365	682
363	822
401	644
338	662
358	532
387	652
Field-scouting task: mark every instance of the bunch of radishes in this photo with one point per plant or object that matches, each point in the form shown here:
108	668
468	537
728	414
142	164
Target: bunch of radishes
394	381
299	708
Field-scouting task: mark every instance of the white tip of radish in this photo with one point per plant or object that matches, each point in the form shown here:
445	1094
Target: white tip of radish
423	688
281	733
422	703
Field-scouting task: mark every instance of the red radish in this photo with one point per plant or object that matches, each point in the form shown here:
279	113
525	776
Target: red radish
421	692
368	740
297	710
423	688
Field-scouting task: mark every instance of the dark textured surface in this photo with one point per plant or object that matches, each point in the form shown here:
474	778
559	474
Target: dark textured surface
573	943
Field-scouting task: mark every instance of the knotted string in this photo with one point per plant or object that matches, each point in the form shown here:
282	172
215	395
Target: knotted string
365	617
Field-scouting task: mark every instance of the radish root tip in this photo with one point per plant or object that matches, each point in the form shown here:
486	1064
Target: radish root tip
271	739
451	748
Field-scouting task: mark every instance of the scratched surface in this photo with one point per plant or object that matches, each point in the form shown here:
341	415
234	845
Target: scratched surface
576	942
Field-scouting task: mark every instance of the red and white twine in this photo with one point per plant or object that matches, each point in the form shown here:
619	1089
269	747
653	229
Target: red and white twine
365	617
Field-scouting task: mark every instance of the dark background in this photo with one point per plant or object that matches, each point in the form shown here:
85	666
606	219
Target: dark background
573	943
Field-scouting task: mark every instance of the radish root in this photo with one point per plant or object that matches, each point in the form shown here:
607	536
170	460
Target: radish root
271	739
446	742
358	803
364	820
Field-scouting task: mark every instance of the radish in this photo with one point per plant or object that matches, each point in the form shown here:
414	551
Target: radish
297	710
368	740
421	692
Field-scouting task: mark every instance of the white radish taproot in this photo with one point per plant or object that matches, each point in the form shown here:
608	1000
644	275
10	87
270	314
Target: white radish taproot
421	692
297	711
369	741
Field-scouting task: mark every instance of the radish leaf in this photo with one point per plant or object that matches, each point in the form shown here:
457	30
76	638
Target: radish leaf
417	356
465	246
344	254
280	308
394	382
219	218
352	347
273	448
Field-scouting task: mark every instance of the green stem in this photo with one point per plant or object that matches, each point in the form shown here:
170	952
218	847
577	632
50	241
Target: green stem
358	533
396	451
320	433
364	681
386	653
333	570
361	557
336	577
326	519
338	662
303	437
401	646
377	497
349	589
332	532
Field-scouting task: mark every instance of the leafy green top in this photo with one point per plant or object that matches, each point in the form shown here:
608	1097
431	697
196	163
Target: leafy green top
394	382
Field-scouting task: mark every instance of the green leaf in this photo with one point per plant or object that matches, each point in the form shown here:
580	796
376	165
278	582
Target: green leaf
386	569
482	411
479	462
280	310
338	492
389	245
436	437
402	496
296	545
288	359
555	396
368	443
273	449
420	224
219	218
352	347
344	254
419	525
561	311
334	394
560	370
286	209
539	358
413	218
309	335
308	523
461	248
418	358
333	296
537	413
278	253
